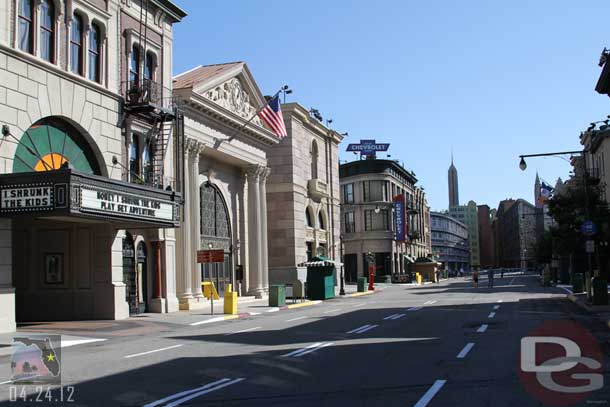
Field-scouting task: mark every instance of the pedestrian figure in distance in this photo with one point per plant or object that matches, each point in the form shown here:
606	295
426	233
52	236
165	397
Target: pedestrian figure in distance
475	278
490	278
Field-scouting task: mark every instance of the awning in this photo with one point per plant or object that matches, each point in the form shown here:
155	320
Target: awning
408	258
67	194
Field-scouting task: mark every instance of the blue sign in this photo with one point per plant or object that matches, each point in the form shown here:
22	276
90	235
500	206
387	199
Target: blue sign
588	228
400	225
368	147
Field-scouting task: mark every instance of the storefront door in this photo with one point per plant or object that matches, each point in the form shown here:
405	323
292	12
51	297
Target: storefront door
129	274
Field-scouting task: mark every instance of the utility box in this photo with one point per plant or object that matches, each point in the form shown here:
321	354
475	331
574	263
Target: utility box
362	283
277	295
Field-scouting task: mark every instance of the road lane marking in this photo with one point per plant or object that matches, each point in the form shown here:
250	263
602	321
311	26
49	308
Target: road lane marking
482	328
153	351
331	310
414	309
178	395
298	355
511	281
207	321
430	302
360	304
273	310
500	300
315	345
202	392
358	329
296	319
491	315
7	382
255	313
73	342
366	329
244	330
465	351
423	402
496	307
390	317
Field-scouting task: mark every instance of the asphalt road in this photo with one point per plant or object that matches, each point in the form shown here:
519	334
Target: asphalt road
445	344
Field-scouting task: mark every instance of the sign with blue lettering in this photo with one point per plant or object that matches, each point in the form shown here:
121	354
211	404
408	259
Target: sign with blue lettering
400	224
368	147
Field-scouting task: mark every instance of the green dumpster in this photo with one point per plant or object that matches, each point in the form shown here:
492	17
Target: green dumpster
320	278
577	283
362	284
600	291
277	295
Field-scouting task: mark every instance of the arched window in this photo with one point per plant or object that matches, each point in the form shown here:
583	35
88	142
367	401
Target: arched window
214	214
47	30
76	45
26	26
94	53
134	65
314	160
308	219
147	163
321	222
134	158
149	67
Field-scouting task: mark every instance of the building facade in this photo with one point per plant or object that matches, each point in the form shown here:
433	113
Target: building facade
450	244
452	179
90	185
367	218
227	172
302	196
516	233
486	237
467	214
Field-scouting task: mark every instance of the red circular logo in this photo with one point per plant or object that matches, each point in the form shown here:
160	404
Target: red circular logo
560	363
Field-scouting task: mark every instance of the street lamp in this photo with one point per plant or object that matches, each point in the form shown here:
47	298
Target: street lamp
522	164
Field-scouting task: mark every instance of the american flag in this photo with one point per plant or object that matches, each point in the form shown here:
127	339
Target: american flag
272	116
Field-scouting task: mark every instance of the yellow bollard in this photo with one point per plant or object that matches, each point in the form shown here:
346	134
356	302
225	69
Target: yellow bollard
230	306
418	278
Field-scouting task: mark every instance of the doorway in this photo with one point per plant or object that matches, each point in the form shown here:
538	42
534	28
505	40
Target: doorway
142	277
129	273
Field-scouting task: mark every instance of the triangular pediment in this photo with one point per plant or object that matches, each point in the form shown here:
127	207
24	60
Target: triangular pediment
230	86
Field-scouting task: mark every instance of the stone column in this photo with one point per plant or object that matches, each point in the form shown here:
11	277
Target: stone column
254	243
263	229
7	292
195	204
183	243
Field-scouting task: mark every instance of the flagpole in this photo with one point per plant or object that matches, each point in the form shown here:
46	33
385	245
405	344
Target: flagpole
240	128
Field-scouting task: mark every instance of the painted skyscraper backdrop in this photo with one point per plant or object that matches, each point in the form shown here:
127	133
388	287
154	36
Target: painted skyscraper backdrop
454	196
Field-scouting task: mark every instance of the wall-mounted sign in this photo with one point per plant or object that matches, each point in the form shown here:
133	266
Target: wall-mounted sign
368	147
15	198
210	256
400	224
124	204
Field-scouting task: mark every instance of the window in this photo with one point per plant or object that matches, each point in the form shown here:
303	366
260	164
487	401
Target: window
76	45
134	158
375	191
348	193
147	162
134	65
350	222
308	220
376	221
25	17
321	221
94	53
149	67
314	160
309	249
47	30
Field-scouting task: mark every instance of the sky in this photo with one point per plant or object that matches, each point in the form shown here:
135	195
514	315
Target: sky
490	80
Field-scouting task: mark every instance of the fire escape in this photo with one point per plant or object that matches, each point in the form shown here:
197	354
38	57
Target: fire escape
151	102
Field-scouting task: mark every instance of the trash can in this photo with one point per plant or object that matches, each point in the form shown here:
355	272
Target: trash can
230	300
277	295
577	283
362	284
600	291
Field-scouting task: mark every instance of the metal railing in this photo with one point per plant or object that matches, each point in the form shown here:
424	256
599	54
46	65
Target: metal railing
147	92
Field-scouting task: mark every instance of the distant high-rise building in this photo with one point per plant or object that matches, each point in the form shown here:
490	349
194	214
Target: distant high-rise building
454	196
486	237
467	214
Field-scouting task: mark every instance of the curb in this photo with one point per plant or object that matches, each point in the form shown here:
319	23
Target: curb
300	305
362	293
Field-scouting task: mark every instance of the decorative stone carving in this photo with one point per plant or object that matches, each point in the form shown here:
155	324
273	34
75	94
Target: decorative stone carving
194	147
233	97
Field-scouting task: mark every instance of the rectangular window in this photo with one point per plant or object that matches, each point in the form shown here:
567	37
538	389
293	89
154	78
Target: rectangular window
375	191
76	45
94	53
376	221
47	35
26	12
348	193
350	222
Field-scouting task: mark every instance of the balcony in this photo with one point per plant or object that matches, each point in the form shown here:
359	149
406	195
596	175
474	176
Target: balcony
317	189
148	97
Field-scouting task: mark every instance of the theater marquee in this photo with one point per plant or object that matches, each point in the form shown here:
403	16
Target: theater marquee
69	193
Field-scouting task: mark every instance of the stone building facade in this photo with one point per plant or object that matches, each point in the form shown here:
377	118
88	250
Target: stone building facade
302	195
82	96
227	173
450	242
486	237
516	233
367	191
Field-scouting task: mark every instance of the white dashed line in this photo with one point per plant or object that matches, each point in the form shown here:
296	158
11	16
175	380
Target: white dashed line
414	309
183	397
496	307
207	321
7	382
465	351
152	351
245	330
491	315
430	302
394	316
296	319
482	328
426	398
331	310
273	310
308	349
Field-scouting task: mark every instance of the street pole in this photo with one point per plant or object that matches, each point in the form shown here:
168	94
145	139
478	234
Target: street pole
342	289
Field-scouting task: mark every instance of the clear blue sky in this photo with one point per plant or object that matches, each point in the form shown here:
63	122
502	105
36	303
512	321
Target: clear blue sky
492	79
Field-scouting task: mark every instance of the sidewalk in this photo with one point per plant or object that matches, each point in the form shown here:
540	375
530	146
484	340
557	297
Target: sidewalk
580	299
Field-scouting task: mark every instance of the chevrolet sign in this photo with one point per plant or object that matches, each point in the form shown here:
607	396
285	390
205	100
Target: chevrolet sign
368	147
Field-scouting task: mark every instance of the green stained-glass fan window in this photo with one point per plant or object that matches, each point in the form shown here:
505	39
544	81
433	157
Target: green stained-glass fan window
47	146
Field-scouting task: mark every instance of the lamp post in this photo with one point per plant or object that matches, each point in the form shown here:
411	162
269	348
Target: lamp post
342	287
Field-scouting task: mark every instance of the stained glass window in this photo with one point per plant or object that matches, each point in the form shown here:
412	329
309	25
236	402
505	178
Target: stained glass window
214	214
